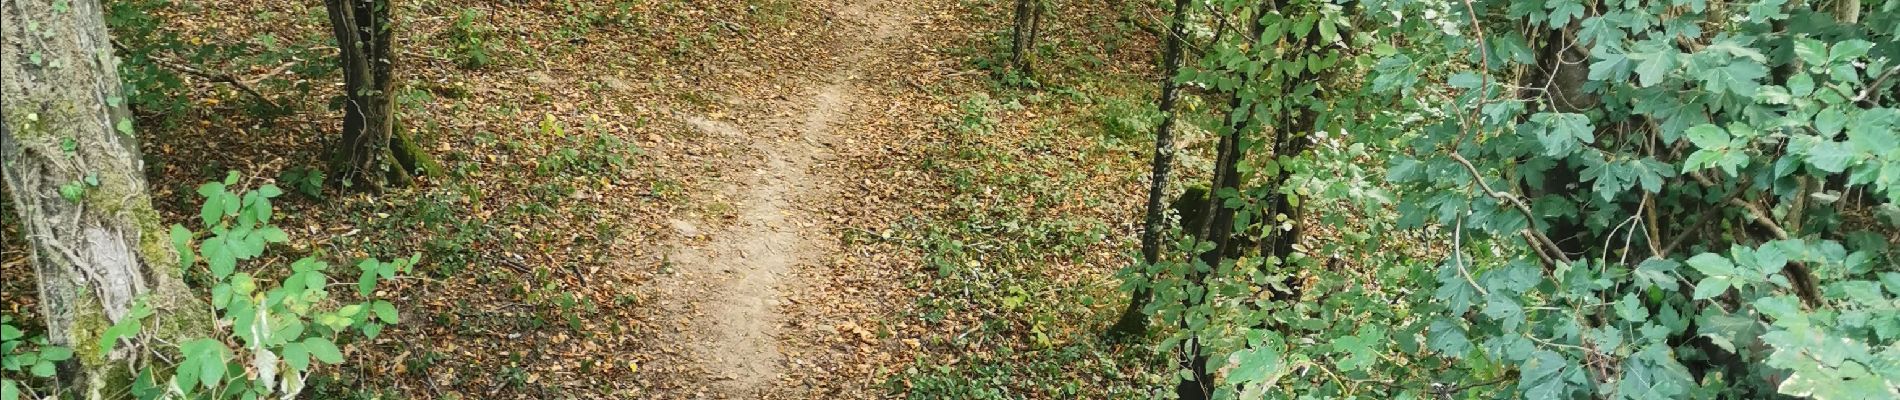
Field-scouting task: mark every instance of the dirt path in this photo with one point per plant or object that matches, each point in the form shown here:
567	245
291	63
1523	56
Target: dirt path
728	290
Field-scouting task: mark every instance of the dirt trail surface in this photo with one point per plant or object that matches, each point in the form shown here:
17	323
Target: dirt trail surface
728	289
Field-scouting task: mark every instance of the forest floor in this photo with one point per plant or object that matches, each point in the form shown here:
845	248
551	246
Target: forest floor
721	199
734	283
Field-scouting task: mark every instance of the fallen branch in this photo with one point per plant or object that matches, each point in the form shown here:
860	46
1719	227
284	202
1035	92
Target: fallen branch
213	77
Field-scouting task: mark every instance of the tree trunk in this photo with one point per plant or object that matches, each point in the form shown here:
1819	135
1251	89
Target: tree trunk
1289	140
371	154
1023	37
78	186
1134	320
1219	227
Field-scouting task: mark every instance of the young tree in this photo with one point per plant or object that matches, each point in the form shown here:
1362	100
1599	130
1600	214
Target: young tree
1022	50
1134	319
373	152
78	186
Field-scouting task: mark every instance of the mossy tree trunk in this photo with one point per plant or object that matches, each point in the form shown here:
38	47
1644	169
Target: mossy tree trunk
1022	49
78	186
372	153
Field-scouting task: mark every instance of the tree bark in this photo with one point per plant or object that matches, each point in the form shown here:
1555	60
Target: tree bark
1023	37
371	154
1219	228
1134	319
99	246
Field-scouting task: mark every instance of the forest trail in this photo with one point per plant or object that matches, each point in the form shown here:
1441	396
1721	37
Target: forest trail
728	291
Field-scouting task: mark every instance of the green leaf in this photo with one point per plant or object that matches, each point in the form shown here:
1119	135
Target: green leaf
1448	338
1848	50
220	256
181	242
1830	121
1830	156
1711	287
1563	132
1631	308
211	190
125	126
72	191
323	349
272	234
9	390
1259	366
208	356
366	284
55	353
213	210
1656	272
297	356
1800	85
384	311
1548	375
44	369
1707	136
1742	78
1562	11
1504	310
1712	264
1812	52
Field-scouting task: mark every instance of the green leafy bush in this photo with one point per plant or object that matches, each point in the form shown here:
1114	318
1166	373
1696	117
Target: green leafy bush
282	323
